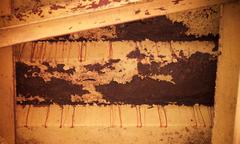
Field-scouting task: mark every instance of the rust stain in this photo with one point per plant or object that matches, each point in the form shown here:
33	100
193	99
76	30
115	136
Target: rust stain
176	1
56	7
137	11
101	3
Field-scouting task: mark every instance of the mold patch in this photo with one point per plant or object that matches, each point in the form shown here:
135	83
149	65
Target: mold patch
194	83
54	91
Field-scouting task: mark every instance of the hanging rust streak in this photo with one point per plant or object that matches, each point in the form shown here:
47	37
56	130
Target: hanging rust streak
17	52
80	45
22	50
44	51
159	116
32	51
47	115
120	115
140	116
50	53
40	52
204	124
61	120
26	123
85	56
73	116
63	47
139	121
69	49
165	116
55	55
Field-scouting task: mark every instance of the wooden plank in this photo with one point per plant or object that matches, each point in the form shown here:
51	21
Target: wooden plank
227	75
80	22
236	136
7	118
5	7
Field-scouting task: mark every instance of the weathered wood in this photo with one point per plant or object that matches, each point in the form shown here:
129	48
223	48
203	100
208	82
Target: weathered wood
7	100
56	26
227	76
236	136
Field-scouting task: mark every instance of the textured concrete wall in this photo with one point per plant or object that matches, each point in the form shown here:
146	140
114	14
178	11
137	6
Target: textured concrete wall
166	64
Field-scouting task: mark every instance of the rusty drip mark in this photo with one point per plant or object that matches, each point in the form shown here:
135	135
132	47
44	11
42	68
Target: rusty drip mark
73	115
194	116
35	53
28	111
21	52
204	124
41	52
44	51
144	113
38	51
120	115
80	52
69	49
32	51
16	50
85	56
110	50
61	120
50	52
55	55
63	47
140	116
137	116
47	115
165	116
159	116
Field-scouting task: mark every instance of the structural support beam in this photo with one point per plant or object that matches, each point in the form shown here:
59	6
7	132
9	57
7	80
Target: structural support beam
228	75
7	100
73	23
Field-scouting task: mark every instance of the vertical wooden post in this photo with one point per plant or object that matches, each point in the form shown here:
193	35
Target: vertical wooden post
7	95
236	136
227	75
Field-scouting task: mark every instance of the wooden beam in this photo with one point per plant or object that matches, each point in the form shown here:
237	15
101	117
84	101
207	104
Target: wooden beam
227	75
7	100
73	23
7	90
236	136
5	7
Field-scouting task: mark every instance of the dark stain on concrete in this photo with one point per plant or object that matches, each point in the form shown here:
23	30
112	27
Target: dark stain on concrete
59	68
56	90
194	83
157	29
97	67
136	54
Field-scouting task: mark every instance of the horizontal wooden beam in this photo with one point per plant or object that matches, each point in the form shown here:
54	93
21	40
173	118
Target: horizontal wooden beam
79	22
